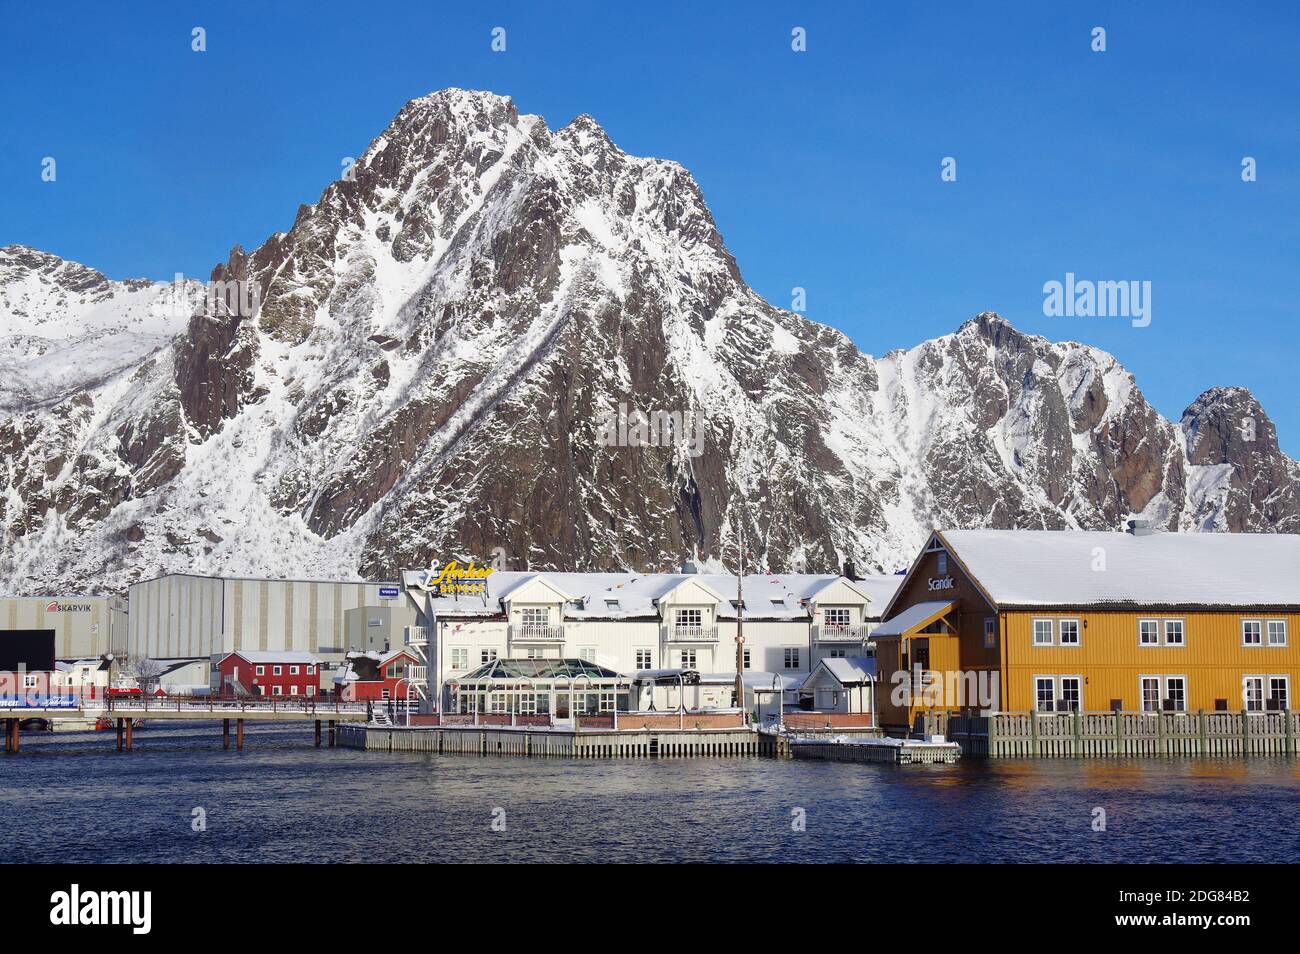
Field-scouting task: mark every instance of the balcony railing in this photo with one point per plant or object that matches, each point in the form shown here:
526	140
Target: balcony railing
854	633
685	633
418	673
533	633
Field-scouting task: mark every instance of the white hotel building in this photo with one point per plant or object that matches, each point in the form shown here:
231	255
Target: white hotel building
631	622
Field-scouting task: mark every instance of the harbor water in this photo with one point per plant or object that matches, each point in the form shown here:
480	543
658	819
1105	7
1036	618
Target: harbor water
179	797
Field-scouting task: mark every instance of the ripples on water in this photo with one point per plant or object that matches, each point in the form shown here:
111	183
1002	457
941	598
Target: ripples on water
71	798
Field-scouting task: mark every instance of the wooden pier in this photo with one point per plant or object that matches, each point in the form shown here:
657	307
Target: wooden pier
1119	734
890	751
552	743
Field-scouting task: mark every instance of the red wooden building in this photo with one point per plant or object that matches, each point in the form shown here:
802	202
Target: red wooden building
376	677
269	673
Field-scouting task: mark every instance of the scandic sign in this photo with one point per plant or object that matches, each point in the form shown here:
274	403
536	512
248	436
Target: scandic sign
54	606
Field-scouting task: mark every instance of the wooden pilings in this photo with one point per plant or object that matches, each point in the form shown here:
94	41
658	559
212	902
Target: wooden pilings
225	733
331	733
119	734
1124	734
318	733
239	734
640	744
13	735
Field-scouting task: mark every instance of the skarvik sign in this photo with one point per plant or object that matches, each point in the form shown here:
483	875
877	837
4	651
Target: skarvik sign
54	606
943	584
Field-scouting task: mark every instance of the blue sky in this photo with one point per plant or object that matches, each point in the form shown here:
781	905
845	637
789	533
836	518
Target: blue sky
822	168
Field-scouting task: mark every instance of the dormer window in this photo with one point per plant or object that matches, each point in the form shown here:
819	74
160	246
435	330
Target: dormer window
780	603
737	604
611	604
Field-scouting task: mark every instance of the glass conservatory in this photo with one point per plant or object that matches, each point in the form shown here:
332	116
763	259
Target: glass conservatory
555	689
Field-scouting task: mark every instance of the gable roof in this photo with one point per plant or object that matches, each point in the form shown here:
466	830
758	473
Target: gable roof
1056	567
273	656
849	670
778	596
917	616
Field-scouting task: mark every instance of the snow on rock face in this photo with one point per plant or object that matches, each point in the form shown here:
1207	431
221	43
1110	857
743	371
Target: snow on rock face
441	338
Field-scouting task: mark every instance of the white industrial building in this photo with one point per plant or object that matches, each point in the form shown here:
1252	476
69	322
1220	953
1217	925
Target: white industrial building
183	616
632	622
85	627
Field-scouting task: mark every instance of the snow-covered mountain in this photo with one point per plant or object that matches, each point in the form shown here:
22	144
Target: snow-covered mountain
441	340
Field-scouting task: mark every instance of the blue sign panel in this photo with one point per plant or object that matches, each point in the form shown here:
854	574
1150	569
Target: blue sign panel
389	591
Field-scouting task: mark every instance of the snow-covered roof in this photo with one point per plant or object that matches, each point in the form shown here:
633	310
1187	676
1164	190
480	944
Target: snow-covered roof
1079	568
881	589
275	656
779	596
851	670
910	618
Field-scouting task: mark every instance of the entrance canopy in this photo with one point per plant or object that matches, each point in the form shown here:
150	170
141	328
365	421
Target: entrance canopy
913	619
505	669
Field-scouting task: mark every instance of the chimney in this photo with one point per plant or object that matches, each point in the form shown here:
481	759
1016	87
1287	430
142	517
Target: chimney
1140	528
850	571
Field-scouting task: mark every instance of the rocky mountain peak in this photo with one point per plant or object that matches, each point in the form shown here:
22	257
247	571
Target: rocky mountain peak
445	336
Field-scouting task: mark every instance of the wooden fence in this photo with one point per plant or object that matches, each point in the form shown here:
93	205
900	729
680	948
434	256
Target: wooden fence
1117	734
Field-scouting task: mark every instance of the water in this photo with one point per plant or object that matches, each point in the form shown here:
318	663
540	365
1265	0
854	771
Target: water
72	798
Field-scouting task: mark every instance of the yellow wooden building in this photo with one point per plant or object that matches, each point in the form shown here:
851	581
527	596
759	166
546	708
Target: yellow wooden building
1061	620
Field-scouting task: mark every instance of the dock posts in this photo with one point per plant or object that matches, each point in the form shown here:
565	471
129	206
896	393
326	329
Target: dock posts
119	735
318	733
13	733
239	734
225	733
331	733
130	726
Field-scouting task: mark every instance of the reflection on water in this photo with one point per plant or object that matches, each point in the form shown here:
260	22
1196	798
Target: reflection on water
71	798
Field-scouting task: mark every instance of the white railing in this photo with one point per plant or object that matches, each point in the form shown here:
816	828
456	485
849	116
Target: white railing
417	636
840	633
535	633
687	633
418	673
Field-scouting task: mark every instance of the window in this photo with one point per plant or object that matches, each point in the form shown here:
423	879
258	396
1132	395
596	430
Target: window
488	655
1251	632
1176	693
746	662
311	690
1252	693
29	681
688	658
690	617
277	690
607	702
1069	629
293	690
459	657
837	654
1044	693
1277	632
837	618
991	633
311	670
643	659
1277	691
535	652
527	703
261	671
1148	632
1071	697
1042	632
943	563
535	618
1174	632
277	670
791	659
587	653
293	670
1150	686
